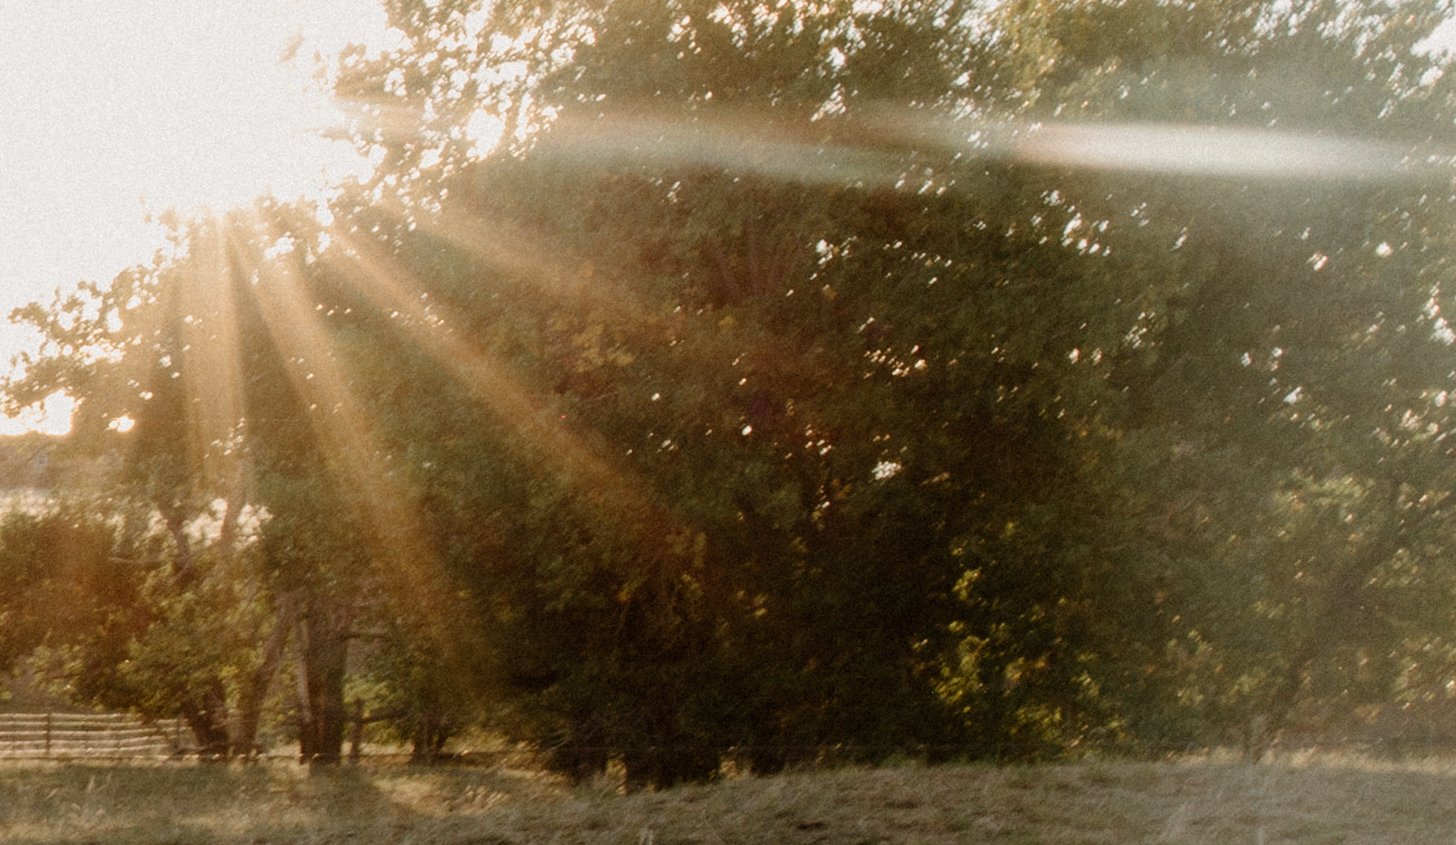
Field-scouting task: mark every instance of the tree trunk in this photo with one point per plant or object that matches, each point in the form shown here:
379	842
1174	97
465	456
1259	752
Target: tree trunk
206	711
1334	616
431	734
255	687
206	715
324	652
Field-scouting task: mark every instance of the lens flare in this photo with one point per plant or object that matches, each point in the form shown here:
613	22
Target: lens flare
800	151
879	147
1209	151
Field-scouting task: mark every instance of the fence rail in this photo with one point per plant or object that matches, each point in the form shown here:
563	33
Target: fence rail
83	735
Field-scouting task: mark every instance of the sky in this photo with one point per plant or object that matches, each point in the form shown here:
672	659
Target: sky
112	111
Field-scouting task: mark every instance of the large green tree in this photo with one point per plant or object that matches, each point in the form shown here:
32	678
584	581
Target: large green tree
864	324
830	378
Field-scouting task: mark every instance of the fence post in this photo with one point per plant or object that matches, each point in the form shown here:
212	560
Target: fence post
48	735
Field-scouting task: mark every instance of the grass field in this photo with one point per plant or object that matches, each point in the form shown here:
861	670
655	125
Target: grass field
1309	800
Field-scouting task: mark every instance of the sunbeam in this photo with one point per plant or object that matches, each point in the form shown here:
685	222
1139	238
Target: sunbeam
351	448
386	286
523	255
210	341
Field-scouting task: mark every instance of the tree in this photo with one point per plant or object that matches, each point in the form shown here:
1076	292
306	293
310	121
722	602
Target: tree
1076	337
164	349
796	523
1287	342
827	379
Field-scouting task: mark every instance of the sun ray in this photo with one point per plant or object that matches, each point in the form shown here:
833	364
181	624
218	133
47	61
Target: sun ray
382	282
213	371
352	450
523	256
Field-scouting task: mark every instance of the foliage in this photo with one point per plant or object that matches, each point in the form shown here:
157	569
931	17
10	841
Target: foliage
820	379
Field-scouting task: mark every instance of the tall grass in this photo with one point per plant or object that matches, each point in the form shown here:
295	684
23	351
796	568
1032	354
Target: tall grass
1299	799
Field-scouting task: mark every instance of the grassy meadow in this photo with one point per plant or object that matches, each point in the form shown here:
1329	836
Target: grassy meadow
1315	799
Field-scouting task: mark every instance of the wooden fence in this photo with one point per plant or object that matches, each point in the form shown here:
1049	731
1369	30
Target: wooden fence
83	735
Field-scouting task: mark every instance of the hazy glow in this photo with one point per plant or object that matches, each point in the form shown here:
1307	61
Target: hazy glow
119	109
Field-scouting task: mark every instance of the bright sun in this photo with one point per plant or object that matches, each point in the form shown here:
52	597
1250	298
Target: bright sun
117	110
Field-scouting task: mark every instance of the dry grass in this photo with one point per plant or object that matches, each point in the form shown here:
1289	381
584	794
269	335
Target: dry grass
1306	800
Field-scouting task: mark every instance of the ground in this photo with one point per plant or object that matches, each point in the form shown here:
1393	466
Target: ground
1310	799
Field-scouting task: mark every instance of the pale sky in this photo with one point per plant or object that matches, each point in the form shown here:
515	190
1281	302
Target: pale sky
113	108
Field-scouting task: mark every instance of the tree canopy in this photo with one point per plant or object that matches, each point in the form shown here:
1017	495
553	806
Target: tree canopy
806	379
